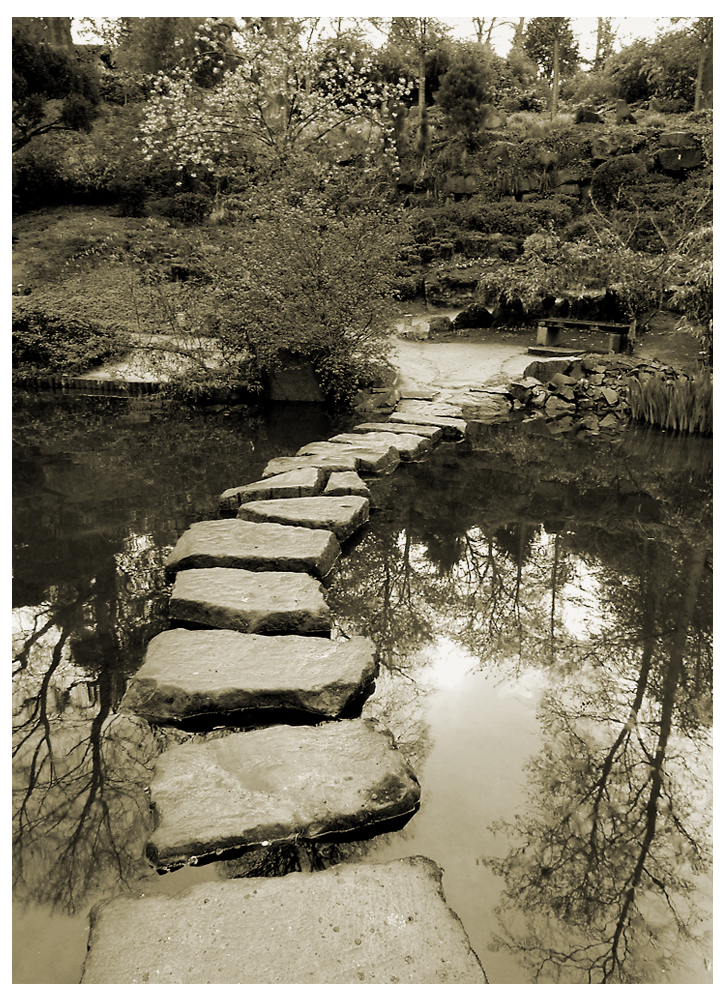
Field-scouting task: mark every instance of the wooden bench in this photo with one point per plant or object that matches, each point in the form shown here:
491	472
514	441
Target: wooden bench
549	331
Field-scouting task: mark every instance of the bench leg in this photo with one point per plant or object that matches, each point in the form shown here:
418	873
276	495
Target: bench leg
547	336
617	342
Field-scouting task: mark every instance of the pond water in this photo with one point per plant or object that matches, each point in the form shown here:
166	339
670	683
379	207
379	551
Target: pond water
543	612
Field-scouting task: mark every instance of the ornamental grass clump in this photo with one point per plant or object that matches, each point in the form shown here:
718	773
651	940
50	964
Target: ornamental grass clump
679	404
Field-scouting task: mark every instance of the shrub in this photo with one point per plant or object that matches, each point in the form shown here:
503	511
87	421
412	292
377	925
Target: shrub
57	341
612	179
190	209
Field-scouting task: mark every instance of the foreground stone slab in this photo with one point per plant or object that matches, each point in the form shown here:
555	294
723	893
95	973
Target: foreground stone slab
246	601
453	428
373	460
296	483
354	924
241	545
345	484
395	427
186	673
274	785
411	447
340	515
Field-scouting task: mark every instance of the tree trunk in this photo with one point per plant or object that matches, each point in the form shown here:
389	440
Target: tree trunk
555	90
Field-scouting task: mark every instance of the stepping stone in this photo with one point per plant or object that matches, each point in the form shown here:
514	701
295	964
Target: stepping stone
351	924
346	484
246	601
241	545
341	515
436	409
334	462
275	785
452	427
375	460
410	446
186	673
296	483
434	434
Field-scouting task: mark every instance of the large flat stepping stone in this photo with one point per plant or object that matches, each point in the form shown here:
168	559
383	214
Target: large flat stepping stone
187	673
340	515
249	601
429	431
295	483
342	484
453	428
274	785
351	924
336	461
376	460
241	545
411	447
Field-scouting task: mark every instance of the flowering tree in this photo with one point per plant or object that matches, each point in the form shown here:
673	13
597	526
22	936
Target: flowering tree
283	98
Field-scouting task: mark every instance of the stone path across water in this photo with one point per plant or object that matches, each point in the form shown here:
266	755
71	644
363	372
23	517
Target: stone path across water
275	785
237	544
352	924
250	602
252	582
188	673
342	515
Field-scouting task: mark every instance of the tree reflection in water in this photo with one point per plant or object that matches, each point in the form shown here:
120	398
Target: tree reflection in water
588	568
604	871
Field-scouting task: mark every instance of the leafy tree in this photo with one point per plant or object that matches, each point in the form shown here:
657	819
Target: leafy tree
419	36
465	89
51	90
551	44
279	102
290	278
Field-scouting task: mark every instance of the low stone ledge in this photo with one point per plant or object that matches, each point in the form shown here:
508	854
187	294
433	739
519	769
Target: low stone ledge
340	515
249	601
237	544
187	673
276	785
355	924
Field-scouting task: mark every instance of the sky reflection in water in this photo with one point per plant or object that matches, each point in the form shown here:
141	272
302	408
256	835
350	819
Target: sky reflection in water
545	665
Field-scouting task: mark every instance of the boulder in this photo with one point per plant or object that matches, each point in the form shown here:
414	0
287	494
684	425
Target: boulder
240	545
374	924
340	515
274	785
188	673
678	158
623	114
588	116
294	380
249	601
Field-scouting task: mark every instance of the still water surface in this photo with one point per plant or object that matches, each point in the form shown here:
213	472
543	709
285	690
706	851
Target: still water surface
543	612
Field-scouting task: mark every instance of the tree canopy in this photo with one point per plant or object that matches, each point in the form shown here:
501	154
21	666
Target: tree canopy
51	90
